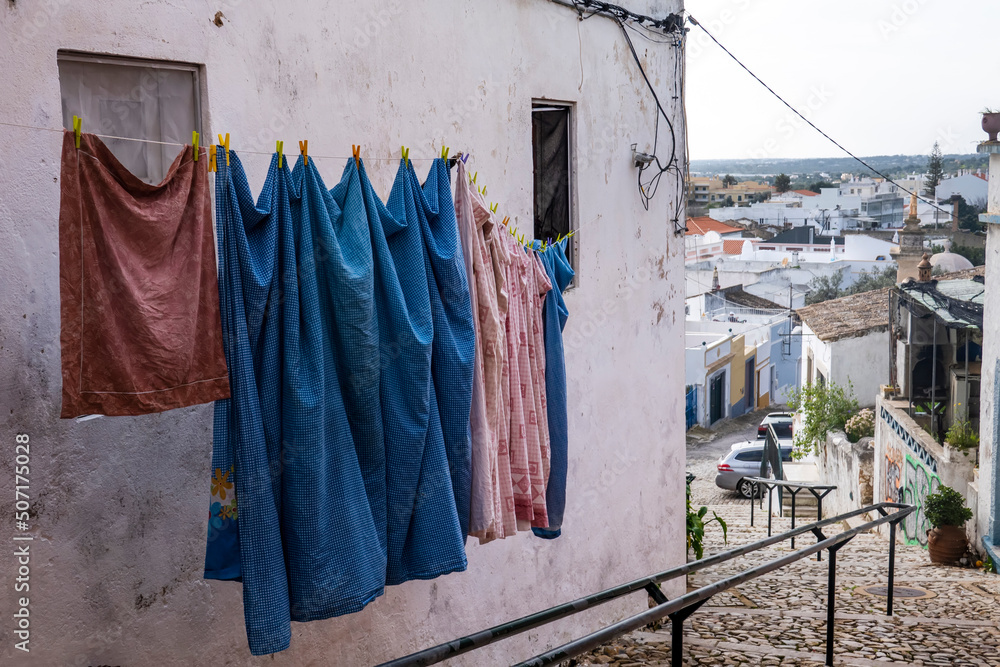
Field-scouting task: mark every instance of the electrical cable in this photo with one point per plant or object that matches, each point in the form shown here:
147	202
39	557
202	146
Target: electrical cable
811	124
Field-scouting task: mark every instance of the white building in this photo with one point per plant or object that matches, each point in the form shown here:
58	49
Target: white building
846	340
120	504
971	187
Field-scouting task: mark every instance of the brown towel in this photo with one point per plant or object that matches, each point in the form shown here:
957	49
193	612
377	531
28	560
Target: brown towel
140	304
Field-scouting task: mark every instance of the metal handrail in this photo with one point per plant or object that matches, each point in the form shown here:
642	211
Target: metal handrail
681	608
793	489
441	652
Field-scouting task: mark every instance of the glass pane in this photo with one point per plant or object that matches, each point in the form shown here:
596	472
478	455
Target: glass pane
133	101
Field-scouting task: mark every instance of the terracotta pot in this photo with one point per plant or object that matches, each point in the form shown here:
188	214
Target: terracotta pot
991	124
946	544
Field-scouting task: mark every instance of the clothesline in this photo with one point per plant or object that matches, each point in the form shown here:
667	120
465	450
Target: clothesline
241	152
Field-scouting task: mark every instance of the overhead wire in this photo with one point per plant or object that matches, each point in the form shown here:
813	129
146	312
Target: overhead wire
810	123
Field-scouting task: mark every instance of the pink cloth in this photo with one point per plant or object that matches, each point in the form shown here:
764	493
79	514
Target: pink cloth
536	352
141	330
485	503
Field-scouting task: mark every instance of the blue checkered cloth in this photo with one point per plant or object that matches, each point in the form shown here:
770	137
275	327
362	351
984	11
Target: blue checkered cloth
554	315
310	544
425	536
454	357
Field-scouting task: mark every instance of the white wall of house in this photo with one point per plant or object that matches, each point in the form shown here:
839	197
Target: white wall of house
971	187
988	515
122	502
862	360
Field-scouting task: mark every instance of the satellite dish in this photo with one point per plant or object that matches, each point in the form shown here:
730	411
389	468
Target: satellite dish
784	262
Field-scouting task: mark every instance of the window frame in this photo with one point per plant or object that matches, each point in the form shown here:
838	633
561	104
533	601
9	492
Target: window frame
195	69
573	247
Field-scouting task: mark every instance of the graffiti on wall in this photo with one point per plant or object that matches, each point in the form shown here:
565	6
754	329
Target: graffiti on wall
919	482
894	462
912	443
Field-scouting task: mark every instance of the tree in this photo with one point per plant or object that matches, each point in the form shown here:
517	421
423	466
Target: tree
824	288
782	183
728	180
825	407
760	197
729	200
873	280
968	215
935	171
975	255
819	185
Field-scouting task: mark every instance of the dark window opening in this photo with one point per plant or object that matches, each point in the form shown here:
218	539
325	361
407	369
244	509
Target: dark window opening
550	142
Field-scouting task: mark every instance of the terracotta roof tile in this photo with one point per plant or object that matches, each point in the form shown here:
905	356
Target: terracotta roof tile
702	225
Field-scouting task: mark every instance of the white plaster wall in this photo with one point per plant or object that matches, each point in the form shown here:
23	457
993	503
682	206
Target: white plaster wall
989	428
864	360
121	503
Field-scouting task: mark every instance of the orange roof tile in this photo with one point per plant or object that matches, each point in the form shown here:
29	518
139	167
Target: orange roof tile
732	246
806	193
703	224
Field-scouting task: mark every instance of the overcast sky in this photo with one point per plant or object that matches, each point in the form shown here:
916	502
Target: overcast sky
882	77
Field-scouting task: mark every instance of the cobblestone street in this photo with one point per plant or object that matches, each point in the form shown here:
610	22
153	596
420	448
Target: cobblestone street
780	618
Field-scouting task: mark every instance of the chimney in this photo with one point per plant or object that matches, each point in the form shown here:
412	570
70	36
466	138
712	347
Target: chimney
954	215
924	269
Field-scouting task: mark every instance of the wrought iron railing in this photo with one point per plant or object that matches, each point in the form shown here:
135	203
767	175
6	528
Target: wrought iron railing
678	609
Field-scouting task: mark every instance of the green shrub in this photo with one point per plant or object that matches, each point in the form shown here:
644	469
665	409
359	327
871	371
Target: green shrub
861	425
825	407
946	508
962	435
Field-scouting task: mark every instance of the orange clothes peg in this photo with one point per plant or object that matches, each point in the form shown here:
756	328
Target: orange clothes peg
304	149
356	150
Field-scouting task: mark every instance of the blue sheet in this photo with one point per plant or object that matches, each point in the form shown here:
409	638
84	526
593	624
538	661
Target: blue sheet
425	536
554	315
297	286
454	357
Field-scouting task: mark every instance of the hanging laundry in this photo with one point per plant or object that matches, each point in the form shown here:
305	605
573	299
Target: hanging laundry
309	541
538	287
137	281
484	501
496	237
425	536
555	314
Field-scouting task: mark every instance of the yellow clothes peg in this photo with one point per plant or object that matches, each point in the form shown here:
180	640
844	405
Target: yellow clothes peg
225	144
304	149
444	152
212	164
279	148
194	143
406	155
493	207
77	129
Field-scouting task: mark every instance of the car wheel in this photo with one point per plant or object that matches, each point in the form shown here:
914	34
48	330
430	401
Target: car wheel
747	489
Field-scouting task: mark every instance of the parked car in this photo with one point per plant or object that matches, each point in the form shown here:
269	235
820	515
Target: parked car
743	462
782	422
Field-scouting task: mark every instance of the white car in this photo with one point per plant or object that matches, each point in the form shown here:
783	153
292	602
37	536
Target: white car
782	423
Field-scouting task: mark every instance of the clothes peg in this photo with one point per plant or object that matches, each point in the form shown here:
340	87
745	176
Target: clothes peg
212	164
493	207
506	219
475	176
279	147
304	149
444	152
194	143
465	158
484	193
356	150
225	144
405	152
77	129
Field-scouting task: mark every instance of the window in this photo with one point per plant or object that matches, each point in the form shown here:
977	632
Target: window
137	99
551	124
750	456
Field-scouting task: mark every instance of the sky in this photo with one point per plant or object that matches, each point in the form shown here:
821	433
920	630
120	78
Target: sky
882	77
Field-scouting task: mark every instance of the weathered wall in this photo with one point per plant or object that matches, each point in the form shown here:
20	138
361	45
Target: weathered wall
850	467
910	465
861	360
120	504
988	521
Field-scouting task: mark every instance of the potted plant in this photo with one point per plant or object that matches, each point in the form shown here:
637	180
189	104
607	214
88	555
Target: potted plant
946	511
991	123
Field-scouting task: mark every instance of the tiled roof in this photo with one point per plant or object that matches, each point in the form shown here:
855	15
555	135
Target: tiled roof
806	193
733	246
848	316
740	297
702	225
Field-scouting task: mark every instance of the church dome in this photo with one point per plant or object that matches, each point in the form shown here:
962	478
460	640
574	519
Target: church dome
950	262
